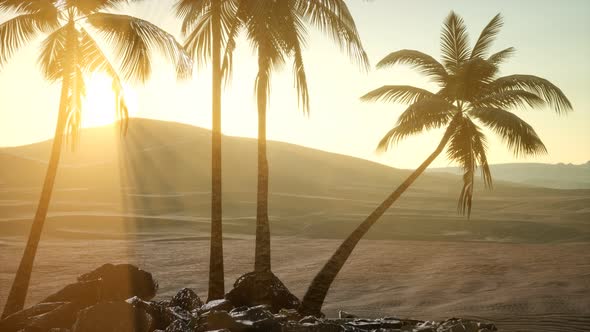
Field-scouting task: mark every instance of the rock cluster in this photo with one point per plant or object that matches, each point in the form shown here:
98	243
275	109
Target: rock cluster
117	298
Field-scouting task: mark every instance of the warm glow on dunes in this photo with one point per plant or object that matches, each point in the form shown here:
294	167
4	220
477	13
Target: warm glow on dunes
99	104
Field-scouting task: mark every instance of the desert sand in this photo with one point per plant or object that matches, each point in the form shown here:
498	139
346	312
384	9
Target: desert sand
520	287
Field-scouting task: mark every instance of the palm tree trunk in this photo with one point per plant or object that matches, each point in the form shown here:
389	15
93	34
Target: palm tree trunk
18	292
216	277
317	291
262	251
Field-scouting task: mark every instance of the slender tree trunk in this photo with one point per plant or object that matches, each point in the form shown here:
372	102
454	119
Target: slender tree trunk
262	254
317	291
18	292
216	273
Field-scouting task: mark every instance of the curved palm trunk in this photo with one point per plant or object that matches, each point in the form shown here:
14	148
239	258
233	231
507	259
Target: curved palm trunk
216	277
262	251
317	291
18	292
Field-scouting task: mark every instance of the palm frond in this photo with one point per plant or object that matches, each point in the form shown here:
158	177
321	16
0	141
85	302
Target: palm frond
27	6
487	36
467	146
52	56
540	86
454	42
134	40
93	59
509	99
19	30
397	93
424	114
87	7
497	58
334	18
426	64
197	19
520	137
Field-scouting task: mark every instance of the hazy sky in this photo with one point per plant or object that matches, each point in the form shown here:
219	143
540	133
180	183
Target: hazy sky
551	38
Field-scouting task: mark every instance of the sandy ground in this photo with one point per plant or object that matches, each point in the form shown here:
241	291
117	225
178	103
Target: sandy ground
521	287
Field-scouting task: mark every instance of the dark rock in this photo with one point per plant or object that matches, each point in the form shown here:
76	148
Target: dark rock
157	310
187	299
487	326
217	305
19	320
220	320
179	326
344	314
257	313
391	323
62	317
364	324
107	283
85	293
117	316
290	314
252	289
123	281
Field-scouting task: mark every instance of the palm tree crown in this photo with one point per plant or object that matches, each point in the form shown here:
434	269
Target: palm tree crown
70	49
471	95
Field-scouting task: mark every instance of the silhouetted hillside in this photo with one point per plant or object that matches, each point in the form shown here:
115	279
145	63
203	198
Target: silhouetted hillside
558	176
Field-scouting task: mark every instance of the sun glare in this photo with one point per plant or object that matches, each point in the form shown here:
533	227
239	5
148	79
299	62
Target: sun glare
99	104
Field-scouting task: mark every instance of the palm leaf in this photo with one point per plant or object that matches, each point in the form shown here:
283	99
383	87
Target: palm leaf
334	18
467	147
487	36
53	54
520	137
418	60
497	58
19	30
397	93
454	42
540	86
509	99
94	60
424	114
134	40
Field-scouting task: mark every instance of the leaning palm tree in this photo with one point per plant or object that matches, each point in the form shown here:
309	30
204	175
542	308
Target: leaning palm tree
68	53
277	32
206	25
471	95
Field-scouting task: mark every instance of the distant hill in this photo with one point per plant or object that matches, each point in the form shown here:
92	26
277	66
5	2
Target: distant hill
558	176
156	181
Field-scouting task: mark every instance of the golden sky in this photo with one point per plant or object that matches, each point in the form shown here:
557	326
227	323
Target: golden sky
551	41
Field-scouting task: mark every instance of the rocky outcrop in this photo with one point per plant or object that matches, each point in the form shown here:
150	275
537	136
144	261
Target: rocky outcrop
105	305
267	288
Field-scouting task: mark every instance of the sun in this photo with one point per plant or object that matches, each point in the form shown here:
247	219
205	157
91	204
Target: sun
99	104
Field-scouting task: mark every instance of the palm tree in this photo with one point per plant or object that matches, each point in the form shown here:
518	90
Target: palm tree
277	32
470	93
69	52
206	24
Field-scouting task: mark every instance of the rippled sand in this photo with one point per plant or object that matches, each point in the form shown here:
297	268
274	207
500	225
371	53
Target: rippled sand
522	287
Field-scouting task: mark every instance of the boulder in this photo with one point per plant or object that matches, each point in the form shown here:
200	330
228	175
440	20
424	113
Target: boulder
217	305
107	283
19	320
123	281
253	289
117	316
187	299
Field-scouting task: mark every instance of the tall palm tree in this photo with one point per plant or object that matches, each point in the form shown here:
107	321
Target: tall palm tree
206	24
470	93
277	32
68	53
